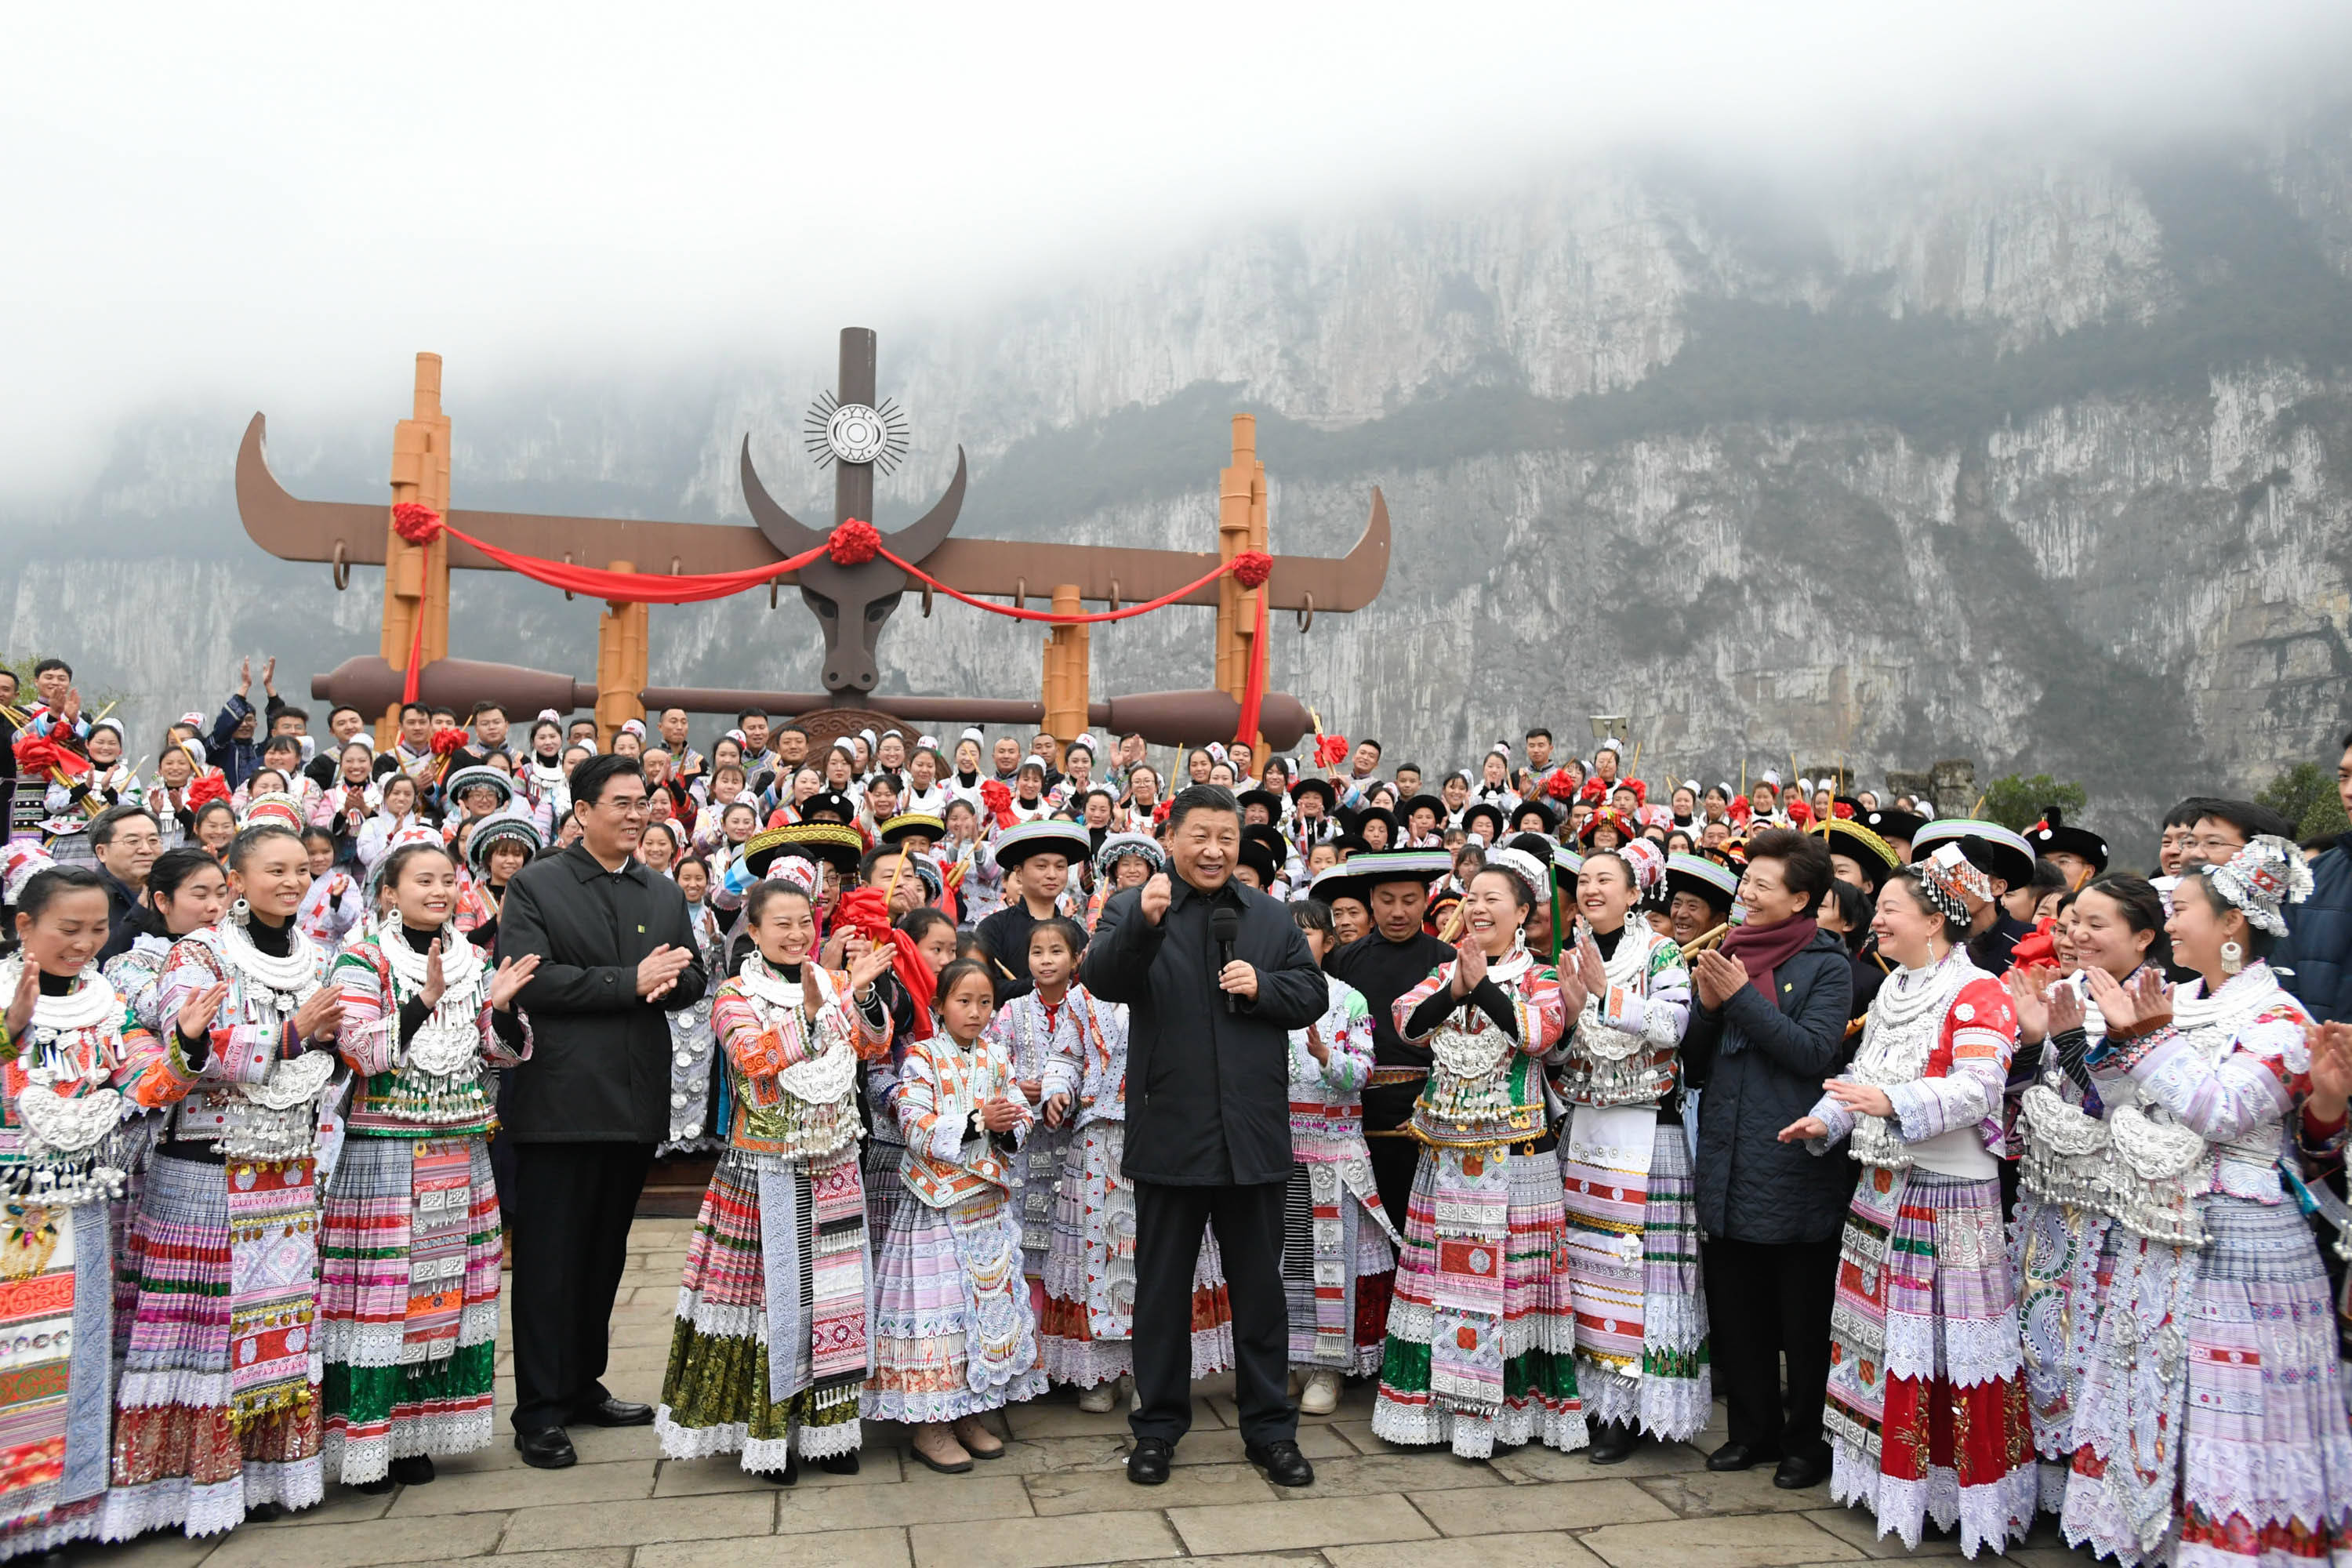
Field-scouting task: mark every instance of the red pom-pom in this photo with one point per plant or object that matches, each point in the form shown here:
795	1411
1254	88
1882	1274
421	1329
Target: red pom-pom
1641	788
210	786
1844	811
996	799
854	543
415	523
865	912
1251	568
1331	751
1741	810
1800	812
1561	785
38	755
1160	813
447	741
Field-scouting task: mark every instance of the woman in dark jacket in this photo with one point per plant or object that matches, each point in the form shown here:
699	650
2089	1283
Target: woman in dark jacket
1769	1027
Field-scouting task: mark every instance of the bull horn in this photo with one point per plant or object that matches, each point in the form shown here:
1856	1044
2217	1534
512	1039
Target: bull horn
788	533
927	533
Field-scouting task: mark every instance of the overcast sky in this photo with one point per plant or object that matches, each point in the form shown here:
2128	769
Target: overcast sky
276	207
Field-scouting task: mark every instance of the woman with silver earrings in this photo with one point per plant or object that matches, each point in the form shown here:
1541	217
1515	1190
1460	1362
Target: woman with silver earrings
2210	1423
217	1413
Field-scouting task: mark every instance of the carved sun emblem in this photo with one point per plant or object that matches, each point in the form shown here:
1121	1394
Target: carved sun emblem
856	433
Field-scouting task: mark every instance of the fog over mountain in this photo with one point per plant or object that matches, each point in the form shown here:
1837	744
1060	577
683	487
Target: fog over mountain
2034	448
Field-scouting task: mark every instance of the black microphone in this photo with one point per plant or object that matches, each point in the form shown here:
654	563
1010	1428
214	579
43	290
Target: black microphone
1224	927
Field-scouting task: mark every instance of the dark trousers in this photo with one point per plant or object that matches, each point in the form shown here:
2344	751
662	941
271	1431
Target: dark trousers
1248	1225
1766	1302
572	1204
1394	1162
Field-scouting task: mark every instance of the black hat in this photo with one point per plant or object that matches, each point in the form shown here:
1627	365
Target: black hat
2054	835
1891	825
1322	787
1542	809
1260	857
1860	844
829	805
913	824
1990	848
1376	813
1491	811
1264	797
1045	835
1410	803
1703	877
831	844
1360	873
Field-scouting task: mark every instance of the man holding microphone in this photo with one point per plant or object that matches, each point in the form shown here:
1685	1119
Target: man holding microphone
1214	976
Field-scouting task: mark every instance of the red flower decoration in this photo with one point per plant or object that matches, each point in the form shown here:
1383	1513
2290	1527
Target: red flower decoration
854	543
445	741
1331	751
996	799
1251	568
1800	812
209	786
1741	810
415	523
1561	785
38	756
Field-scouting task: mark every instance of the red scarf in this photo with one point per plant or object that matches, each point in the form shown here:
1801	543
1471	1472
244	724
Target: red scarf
1763	949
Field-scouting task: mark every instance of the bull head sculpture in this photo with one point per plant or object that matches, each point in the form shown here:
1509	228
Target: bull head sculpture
851	602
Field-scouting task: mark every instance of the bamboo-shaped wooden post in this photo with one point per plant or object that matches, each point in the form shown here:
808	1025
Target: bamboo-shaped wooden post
1065	672
417	577
622	662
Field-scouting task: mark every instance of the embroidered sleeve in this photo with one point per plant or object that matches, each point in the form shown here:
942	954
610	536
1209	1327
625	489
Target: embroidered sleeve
919	1121
1658	1010
1833	1116
1066	1052
1968	1071
370	1039
240	1052
2258	1080
871	1029
1409	1003
1350	1040
1543	1016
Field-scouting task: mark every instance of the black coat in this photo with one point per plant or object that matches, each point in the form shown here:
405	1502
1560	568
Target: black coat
2316	955
1208	1091
599	1068
1762	1067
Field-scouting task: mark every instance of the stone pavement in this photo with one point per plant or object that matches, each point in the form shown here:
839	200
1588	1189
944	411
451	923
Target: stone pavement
1058	1497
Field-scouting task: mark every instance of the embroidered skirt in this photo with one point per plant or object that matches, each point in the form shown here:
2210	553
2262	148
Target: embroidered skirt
1087	1334
721	1394
1338	1271
408	1302
2053	1252
56	1405
1640	1309
1036	1185
1927	1412
1482	1341
2212	1426
217	1407
953	1335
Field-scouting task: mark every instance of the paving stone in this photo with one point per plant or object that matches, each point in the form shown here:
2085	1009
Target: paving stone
1536	1463
1222	1446
594	1445
1855	1527
1370	1475
343	1505
834	1549
1309	1521
636	1522
358	1545
1548	1549
1701	1492
1561	1505
865	1508
152	1551
1084	1538
476	1491
1756	1540
1250	1559
1059	1417
1109	1491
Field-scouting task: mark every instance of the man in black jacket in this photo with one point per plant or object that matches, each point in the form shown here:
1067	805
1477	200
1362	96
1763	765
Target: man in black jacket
1208	1123
1769	1026
615	955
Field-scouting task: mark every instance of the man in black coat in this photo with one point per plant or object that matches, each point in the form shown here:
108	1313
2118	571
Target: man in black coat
1208	1123
615	956
1769	1027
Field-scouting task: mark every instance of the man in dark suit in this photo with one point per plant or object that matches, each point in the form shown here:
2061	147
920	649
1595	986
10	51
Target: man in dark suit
1208	1121
615	955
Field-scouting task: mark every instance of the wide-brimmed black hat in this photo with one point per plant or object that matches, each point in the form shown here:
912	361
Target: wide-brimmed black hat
1272	802
1315	787
913	824
830	844
2055	835
1703	878
1491	811
1046	836
1541	808
1260	857
829	804
1990	847
1891	825
1410	803
1863	846
1361	872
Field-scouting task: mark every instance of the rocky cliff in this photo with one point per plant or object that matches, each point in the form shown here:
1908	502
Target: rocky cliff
2036	454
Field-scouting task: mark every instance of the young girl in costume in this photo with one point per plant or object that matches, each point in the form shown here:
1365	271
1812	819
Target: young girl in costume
953	1335
771	1313
408	1295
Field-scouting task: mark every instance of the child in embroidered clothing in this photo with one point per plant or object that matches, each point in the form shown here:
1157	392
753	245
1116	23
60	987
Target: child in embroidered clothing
1338	1252
64	1044
409	1251
1034	1029
772	1328
953	1335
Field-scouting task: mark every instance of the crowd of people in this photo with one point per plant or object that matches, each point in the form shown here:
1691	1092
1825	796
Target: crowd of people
1977	1177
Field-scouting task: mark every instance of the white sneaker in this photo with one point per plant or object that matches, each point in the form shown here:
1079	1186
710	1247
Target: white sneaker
1099	1399
1321	1395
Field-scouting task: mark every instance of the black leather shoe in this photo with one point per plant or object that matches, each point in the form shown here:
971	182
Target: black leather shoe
546	1449
415	1470
1147	1465
790	1475
1740	1456
1284	1465
1796	1474
839	1464
265	1513
613	1413
1612	1443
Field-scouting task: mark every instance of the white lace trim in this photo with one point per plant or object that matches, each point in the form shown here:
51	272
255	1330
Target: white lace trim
1987	1516
1475	1436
